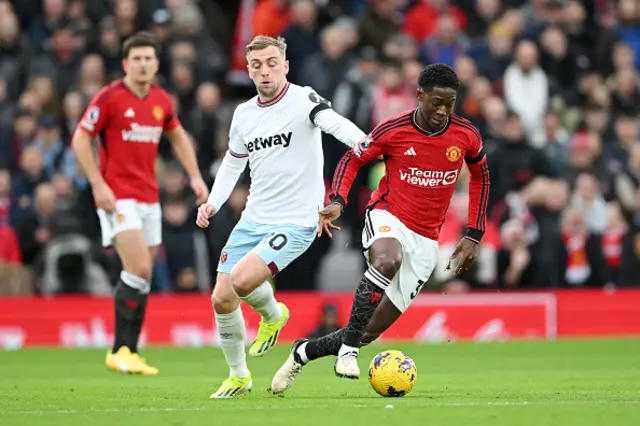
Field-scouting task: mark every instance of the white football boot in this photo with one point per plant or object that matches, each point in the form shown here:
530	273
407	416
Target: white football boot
347	365
286	376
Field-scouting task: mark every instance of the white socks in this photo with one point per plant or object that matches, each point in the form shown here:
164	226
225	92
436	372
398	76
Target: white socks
344	349
302	351
264	302
134	281
232	332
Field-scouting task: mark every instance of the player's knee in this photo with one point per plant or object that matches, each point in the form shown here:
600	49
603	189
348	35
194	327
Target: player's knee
223	304
142	269
242	282
387	263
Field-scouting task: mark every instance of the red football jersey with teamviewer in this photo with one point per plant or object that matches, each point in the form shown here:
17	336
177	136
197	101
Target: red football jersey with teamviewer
129	128
422	169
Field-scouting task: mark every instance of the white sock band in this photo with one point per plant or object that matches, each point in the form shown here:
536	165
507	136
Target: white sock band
134	281
377	278
346	349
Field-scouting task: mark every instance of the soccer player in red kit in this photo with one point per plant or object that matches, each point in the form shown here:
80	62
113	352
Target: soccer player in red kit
128	117
423	150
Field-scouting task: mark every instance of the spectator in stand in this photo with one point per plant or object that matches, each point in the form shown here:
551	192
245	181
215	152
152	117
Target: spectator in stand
613	241
271	17
588	199
379	22
447	43
326	68
580	253
421	19
301	36
526	88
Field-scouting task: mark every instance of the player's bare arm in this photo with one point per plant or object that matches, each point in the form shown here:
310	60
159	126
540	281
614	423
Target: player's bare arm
186	155
102	193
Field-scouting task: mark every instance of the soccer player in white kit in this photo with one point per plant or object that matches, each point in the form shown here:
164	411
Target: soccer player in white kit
279	132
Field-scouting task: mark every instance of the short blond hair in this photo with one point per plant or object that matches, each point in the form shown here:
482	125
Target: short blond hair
261	42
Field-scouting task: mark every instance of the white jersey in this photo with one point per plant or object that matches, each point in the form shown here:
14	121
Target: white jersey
284	147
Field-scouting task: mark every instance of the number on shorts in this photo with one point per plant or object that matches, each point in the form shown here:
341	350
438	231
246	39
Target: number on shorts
278	241
414	294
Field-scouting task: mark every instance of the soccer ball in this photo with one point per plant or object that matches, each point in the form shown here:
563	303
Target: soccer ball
392	373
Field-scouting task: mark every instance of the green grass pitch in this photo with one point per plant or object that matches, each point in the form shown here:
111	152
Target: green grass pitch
584	383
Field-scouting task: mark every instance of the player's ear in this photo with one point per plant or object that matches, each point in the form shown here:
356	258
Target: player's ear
286	67
156	66
124	65
420	94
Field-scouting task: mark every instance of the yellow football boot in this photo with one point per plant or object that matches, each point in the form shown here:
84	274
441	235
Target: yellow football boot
142	366
268	333
124	361
233	387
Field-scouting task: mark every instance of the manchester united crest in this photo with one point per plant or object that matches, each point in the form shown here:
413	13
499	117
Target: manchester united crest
453	153
158	113
223	257
120	217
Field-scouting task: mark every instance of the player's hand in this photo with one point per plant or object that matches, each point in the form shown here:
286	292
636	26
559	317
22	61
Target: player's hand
463	256
327	216
205	211
104	198
200	189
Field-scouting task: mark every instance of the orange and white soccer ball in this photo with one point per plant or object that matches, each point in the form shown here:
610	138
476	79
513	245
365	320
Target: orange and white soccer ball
392	373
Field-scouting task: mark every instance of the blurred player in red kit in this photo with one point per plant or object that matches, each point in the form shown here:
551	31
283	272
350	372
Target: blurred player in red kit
423	150
129	117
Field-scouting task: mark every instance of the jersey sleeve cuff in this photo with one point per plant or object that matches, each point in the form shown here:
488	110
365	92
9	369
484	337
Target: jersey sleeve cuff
338	200
474	235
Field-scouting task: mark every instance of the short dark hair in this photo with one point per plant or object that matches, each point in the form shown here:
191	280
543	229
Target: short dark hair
139	39
438	75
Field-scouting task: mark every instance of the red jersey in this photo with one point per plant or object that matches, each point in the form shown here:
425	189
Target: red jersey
422	169
129	128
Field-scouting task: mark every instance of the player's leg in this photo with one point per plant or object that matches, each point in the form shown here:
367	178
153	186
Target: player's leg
131	294
230	325
383	239
142	307
232	333
122	229
151	218
420	260
251	279
384	257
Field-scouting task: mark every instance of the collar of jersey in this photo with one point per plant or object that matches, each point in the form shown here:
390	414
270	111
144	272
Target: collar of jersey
276	99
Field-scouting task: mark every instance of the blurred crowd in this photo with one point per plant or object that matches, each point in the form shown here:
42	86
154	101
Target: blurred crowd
553	85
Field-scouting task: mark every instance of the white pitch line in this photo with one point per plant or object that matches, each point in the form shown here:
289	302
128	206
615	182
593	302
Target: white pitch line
413	404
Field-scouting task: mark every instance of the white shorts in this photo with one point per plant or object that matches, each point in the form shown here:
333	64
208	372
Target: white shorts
419	256
129	215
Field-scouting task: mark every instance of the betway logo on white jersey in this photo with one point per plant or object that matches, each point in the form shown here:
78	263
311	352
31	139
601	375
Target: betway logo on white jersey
428	178
145	134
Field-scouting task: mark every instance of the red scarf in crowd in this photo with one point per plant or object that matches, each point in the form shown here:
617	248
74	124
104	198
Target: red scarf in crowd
578	269
612	247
